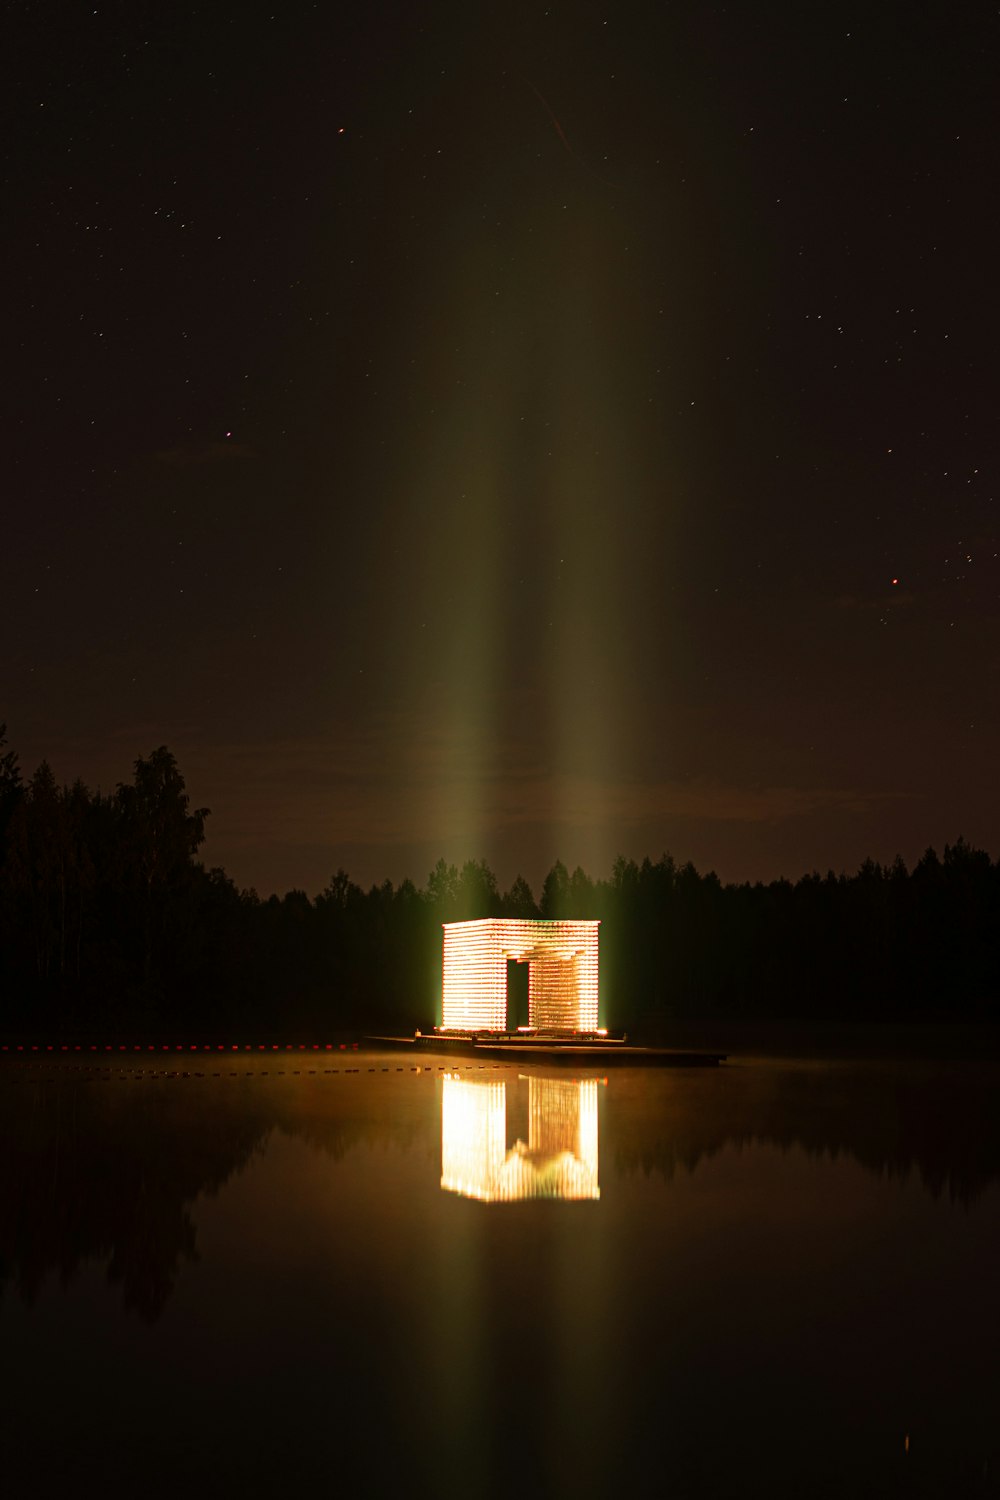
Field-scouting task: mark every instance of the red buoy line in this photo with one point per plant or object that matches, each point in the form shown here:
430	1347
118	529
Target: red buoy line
32	1052
102	1072
178	1047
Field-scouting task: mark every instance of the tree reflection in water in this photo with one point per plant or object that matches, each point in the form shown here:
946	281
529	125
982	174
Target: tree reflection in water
98	1176
109	1169
935	1119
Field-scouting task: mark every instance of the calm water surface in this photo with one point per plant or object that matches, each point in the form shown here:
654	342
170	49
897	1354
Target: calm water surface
778	1277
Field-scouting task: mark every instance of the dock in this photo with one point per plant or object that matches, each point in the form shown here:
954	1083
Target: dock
567	1051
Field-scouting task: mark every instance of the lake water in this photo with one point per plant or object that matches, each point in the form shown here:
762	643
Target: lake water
775	1277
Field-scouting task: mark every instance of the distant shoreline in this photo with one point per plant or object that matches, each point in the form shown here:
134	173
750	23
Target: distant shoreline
739	1039
875	1039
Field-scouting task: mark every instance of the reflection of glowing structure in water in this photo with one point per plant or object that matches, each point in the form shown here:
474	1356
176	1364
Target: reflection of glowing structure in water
559	1160
562	973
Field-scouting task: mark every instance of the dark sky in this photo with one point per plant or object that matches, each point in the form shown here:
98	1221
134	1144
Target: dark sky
508	430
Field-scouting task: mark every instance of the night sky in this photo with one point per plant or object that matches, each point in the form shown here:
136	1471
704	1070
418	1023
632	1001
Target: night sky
510	431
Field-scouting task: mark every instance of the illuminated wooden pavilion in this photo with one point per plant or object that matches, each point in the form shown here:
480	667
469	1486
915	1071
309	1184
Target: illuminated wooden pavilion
562	973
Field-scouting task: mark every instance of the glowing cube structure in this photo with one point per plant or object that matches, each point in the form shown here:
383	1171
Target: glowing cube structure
562	973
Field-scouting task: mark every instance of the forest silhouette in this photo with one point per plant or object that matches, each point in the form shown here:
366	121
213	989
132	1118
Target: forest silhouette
108	916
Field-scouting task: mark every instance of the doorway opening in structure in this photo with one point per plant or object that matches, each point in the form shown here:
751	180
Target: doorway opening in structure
517	993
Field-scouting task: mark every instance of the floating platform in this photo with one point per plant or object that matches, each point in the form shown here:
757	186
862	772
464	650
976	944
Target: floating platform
570	1049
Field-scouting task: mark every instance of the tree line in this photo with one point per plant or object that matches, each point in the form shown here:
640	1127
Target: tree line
108	917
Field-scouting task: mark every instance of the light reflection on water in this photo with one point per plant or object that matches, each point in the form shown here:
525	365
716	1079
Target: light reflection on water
559	1159
777	1277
